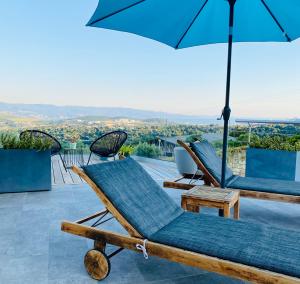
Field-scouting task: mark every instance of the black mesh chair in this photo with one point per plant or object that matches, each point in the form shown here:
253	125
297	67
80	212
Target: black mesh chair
108	145
55	147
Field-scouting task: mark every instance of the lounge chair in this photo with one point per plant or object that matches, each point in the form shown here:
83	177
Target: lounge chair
158	226
207	161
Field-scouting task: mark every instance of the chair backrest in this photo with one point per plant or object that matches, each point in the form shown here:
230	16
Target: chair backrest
209	158
55	147
108	144
135	195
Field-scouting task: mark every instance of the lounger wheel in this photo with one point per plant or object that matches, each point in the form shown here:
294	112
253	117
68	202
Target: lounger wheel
97	264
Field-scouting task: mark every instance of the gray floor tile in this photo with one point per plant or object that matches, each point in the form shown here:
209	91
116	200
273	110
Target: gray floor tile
11	200
206	278
31	269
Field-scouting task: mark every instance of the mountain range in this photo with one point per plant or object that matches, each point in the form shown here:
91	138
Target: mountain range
54	112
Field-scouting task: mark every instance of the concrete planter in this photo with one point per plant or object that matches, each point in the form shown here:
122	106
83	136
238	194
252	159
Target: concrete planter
24	170
184	162
276	164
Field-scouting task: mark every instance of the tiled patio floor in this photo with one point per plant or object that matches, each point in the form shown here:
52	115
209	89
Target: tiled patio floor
34	250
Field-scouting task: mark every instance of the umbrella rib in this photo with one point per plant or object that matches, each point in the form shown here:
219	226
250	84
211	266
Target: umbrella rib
190	25
116	12
276	21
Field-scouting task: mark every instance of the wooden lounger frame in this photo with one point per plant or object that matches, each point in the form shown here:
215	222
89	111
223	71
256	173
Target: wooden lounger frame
103	237
178	182
210	180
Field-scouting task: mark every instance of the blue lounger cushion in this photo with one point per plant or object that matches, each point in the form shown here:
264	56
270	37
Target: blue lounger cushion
158	218
278	186
208	156
247	243
135	194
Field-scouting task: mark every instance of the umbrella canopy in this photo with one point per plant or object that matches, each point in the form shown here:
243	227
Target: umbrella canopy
187	23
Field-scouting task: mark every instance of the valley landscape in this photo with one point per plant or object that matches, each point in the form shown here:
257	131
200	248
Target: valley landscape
153	134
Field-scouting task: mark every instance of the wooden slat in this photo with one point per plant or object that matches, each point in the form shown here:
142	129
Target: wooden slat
52	172
164	168
76	178
58	177
153	173
159	170
65	173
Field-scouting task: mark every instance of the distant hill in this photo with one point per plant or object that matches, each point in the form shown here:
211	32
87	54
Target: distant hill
53	112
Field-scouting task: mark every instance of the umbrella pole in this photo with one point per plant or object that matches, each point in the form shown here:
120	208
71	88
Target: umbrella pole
226	110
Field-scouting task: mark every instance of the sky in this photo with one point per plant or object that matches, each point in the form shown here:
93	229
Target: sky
49	56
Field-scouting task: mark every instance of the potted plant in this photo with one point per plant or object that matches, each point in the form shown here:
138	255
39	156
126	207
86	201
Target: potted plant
274	157
126	151
72	138
25	164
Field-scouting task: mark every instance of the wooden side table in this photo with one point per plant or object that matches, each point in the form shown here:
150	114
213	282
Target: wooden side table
214	197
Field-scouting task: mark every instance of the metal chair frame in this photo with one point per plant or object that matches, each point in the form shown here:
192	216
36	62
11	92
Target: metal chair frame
116	143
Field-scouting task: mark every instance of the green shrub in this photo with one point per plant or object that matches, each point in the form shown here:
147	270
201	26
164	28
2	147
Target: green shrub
147	150
126	150
12	141
276	143
236	132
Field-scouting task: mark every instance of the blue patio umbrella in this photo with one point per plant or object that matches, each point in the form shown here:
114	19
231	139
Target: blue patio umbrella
187	23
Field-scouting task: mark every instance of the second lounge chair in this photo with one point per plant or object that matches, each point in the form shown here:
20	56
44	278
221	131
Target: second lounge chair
209	163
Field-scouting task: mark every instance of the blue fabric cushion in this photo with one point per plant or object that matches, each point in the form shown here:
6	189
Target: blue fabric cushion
208	156
265	185
252	244
135	194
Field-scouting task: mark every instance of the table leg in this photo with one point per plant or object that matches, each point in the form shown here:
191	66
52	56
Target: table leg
183	203
226	211
237	210
193	208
